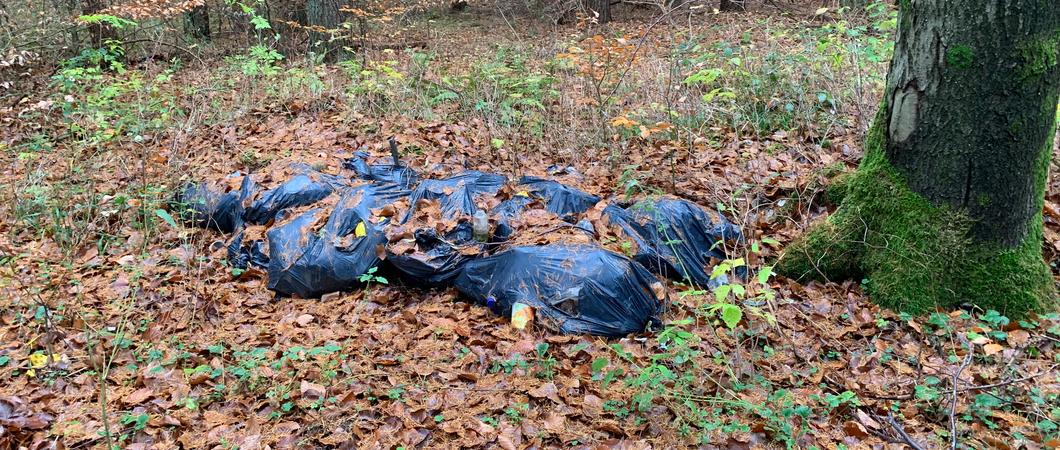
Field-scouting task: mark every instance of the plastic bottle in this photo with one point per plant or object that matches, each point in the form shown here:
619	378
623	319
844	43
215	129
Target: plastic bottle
480	226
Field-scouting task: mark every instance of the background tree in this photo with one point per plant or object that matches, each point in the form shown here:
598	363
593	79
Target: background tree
198	22
602	9
732	5
946	206
99	32
324	18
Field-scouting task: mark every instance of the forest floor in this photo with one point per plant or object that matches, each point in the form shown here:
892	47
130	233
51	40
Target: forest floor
119	327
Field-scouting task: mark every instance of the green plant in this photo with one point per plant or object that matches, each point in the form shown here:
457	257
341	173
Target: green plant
516	412
509	365
544	363
136	422
505	90
983	407
396	393
834	401
369	277
939	320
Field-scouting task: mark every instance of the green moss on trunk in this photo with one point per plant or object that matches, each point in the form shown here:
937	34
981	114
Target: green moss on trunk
912	255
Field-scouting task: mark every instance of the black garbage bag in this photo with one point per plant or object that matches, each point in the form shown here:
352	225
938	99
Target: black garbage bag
244	253
203	207
576	288
457	193
560	199
434	260
402	176
504	212
307	262
675	238
302	189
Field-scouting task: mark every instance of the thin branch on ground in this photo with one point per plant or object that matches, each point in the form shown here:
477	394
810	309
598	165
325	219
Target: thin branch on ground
897	427
1013	381
956	390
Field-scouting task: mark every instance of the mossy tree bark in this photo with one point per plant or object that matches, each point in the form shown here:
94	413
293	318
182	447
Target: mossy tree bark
946	205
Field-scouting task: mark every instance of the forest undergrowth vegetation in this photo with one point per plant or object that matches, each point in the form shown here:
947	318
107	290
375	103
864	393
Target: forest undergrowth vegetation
123	327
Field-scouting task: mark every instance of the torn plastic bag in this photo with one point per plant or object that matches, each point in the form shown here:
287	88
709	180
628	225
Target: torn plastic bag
300	190
310	262
675	238
457	193
576	288
434	260
402	176
560	199
201	206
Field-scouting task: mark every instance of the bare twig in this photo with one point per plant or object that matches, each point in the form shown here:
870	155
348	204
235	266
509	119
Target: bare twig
166	44
1013	381
956	391
901	432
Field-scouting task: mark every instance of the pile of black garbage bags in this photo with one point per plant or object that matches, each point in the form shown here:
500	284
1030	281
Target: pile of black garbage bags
582	264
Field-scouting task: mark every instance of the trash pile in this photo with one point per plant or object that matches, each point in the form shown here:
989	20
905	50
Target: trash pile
530	249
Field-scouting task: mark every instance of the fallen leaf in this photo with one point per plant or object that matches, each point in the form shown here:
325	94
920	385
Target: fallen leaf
311	391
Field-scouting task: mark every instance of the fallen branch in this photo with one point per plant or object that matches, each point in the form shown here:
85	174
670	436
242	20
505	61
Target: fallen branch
901	432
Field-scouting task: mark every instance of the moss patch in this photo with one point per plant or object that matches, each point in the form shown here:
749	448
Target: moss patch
912	255
1039	57
959	56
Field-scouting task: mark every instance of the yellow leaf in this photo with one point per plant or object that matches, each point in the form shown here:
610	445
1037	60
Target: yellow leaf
623	122
31	373
820	11
38	360
522	194
360	231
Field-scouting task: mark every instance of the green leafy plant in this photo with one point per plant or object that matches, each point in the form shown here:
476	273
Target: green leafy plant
369	277
517	412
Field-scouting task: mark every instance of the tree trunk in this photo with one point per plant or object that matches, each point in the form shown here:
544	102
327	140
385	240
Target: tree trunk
601	9
324	16
732	5
946	206
98	33
198	22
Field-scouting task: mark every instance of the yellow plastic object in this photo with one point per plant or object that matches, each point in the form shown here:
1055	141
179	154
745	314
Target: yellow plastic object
522	315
